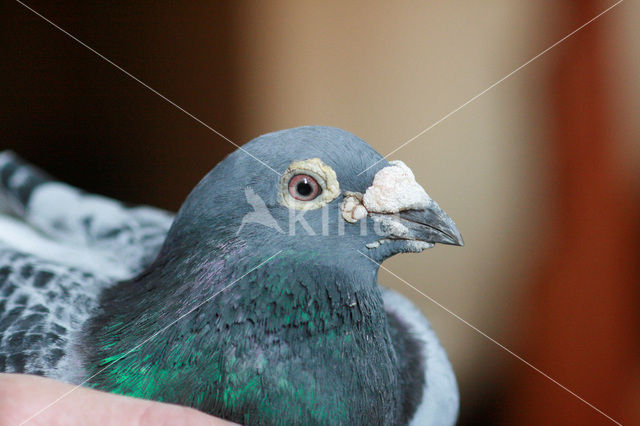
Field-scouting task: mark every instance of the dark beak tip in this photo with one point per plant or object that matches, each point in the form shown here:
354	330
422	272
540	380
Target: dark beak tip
457	238
432	225
454	240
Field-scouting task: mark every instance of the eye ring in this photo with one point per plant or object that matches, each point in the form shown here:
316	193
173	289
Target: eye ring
318	175
304	187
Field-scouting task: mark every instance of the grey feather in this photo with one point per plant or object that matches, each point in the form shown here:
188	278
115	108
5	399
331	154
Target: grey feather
42	304
125	236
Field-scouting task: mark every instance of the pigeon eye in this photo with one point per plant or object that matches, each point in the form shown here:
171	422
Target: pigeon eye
304	187
307	185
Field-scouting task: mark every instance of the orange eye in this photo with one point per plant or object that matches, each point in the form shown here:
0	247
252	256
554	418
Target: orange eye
304	187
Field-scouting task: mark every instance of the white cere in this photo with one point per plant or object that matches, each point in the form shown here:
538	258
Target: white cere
391	226
412	246
352	208
416	246
395	189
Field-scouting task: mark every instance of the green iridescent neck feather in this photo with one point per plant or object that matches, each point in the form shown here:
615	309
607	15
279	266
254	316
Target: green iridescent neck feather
281	345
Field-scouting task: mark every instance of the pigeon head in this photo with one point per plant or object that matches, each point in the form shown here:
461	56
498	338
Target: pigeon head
259	297
313	189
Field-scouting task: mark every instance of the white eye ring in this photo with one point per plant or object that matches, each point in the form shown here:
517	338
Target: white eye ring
323	175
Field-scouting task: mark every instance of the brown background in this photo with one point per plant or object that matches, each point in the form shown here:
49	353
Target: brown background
540	173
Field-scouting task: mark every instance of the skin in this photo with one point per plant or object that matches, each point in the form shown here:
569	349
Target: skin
23	395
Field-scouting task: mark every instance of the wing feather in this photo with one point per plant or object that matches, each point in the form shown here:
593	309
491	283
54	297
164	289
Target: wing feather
440	397
128	236
42	305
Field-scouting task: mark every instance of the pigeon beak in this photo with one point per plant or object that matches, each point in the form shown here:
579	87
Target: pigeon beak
402	209
431	225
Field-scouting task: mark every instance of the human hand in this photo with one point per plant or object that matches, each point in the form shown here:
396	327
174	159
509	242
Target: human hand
21	396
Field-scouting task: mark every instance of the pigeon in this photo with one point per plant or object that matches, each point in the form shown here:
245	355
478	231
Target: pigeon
258	302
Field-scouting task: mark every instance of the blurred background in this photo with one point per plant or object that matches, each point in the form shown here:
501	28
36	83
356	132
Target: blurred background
540	173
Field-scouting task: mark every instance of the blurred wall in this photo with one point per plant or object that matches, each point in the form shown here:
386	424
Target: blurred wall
624	60
384	71
388	71
88	123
